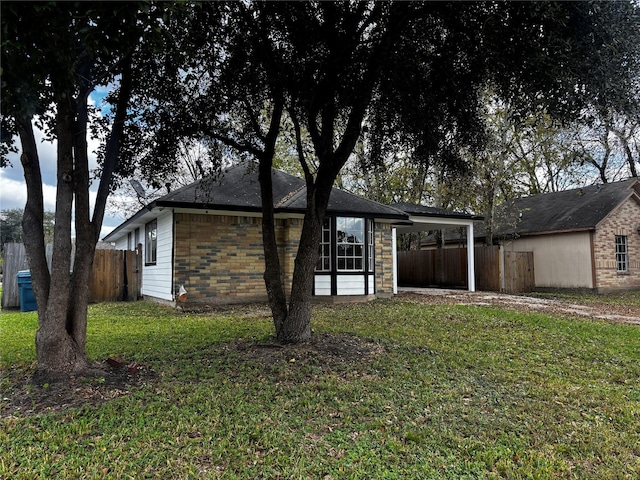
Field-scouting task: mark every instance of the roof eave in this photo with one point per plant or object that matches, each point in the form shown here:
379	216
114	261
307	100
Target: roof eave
545	232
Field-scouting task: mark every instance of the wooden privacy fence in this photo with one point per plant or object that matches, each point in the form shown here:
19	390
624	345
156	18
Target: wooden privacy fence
495	269
15	259
518	272
488	271
441	267
116	275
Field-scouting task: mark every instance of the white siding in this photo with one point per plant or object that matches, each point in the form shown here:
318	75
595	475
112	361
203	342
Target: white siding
121	243
350	285
156	279
560	260
372	284
323	285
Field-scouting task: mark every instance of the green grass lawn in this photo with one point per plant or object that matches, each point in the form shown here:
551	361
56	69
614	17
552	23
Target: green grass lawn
438	392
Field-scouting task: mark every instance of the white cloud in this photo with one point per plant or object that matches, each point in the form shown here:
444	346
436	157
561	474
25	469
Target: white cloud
13	193
13	188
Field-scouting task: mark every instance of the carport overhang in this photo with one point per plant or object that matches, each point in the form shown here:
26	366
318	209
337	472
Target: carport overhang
425	223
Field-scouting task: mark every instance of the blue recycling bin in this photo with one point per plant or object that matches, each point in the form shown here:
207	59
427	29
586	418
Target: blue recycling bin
27	298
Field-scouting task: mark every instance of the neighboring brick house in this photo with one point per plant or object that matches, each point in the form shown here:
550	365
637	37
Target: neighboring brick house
207	238
582	238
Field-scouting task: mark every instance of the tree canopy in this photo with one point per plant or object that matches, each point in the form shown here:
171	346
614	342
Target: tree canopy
382	77
389	77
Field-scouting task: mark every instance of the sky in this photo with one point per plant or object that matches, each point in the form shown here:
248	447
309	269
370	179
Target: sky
13	189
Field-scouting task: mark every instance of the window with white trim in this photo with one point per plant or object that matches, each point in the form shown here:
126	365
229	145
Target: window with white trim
350	244
151	242
324	261
622	254
346	245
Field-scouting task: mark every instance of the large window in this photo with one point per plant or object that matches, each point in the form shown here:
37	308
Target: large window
622	255
346	245
350	244
151	242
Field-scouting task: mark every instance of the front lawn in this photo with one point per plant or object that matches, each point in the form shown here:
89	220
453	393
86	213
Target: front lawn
392	390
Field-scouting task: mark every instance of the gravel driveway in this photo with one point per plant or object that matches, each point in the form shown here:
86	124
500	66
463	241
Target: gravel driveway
618	313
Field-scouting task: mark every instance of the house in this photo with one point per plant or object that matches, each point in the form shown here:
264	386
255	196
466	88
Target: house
207	238
582	238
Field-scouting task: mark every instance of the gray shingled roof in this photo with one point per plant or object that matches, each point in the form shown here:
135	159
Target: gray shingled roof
237	188
423	211
569	210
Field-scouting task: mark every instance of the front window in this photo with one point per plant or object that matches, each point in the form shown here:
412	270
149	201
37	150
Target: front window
622	256
346	245
151	242
350	243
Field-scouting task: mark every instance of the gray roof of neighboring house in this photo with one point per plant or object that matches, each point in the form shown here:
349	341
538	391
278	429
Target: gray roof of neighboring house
237	189
569	210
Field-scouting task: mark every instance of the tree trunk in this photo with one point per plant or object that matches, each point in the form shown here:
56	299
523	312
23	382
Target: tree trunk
272	272
297	327
60	341
63	296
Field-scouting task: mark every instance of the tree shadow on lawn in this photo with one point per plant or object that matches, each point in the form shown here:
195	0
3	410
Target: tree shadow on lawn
113	379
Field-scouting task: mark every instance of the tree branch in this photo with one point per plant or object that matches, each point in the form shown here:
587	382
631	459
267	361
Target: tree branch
32	220
111	156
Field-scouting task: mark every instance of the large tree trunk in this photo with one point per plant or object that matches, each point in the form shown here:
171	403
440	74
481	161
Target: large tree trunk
60	342
61	338
63	296
297	328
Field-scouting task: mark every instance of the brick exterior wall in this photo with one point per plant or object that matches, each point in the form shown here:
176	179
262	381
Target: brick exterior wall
384	260
625	220
220	259
289	237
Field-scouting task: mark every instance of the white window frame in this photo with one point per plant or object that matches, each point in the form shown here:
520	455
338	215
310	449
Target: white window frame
324	260
371	245
151	242
350	250
622	254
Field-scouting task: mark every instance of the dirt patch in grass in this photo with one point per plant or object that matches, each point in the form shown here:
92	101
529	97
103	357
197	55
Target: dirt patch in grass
601	310
327	350
22	397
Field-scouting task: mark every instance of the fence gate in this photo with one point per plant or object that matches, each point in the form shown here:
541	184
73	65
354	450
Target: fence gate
518	272
115	276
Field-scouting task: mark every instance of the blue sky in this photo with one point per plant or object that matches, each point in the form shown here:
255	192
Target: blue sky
13	190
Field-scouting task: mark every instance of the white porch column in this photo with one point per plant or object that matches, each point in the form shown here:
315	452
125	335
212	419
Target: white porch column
395	260
471	268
